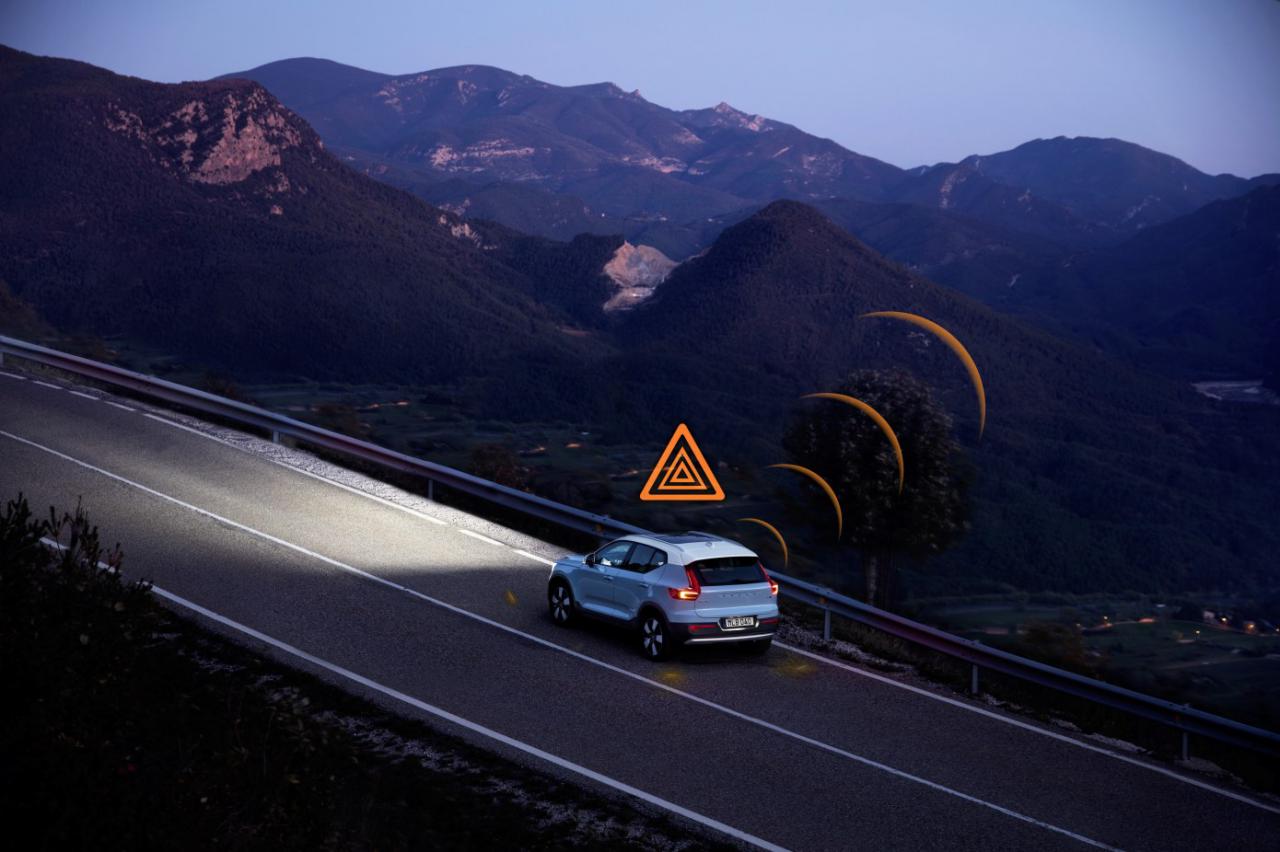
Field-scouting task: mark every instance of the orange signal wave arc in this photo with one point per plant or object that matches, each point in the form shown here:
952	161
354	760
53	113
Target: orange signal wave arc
827	489
782	542
880	421
956	346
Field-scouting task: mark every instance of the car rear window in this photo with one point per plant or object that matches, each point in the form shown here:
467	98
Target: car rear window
728	570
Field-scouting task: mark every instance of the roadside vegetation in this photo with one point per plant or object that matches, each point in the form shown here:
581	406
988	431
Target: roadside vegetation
126	727
886	520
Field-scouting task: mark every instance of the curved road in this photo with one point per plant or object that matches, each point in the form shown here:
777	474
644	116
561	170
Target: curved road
442	616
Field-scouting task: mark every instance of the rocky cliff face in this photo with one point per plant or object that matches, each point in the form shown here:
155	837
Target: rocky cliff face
218	135
232	139
636	272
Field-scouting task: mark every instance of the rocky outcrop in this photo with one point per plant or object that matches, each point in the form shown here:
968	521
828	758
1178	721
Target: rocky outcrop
223	138
636	272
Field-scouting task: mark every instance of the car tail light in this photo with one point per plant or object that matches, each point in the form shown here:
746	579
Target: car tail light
773	584
694	628
691	592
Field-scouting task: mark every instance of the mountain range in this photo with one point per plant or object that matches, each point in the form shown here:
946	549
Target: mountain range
208	220
1034	230
633	162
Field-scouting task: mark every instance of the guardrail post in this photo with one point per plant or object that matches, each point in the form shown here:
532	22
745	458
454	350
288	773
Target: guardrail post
826	624
431	490
973	679
275	436
1186	740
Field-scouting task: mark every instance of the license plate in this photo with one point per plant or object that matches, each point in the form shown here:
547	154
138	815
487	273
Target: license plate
739	621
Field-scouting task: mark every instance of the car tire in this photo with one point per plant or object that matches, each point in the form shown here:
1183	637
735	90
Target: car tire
560	604
758	648
655	638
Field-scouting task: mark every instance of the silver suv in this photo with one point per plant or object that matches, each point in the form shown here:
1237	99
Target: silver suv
686	589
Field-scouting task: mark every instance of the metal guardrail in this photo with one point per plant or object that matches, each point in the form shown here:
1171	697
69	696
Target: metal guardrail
280	426
1180	717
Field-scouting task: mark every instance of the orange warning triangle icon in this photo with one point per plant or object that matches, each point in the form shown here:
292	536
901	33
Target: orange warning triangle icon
682	473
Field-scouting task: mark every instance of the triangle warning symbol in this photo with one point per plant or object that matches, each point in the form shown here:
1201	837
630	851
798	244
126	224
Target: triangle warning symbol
682	473
679	472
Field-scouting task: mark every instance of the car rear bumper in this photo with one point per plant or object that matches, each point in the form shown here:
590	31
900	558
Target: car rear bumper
707	633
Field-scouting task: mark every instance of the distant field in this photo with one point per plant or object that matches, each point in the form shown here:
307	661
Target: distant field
1220	670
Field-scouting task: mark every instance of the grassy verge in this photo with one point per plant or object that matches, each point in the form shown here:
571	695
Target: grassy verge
127	727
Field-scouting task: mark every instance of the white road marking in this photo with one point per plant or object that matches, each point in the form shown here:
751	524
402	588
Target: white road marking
1027	726
728	711
374	497
483	538
175	424
535	557
85	395
549	757
47	385
304	472
13	376
119	406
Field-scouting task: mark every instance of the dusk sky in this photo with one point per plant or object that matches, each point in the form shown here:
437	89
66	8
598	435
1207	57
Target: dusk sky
910	82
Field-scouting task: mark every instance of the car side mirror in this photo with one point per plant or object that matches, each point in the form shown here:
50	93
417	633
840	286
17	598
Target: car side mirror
590	559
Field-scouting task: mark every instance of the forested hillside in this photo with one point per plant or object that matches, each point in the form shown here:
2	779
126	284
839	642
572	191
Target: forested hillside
208	220
1091	475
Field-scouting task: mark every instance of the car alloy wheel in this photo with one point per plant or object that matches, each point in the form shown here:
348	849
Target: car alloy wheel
653	635
561	600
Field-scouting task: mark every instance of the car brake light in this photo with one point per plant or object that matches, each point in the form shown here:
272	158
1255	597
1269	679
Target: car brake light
693	628
691	592
773	584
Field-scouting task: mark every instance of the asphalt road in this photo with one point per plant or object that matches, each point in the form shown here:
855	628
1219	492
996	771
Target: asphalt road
443	615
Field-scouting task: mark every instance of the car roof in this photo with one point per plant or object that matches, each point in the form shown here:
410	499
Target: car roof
686	537
692	546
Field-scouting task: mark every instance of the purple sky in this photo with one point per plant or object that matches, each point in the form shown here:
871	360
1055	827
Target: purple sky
907	81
